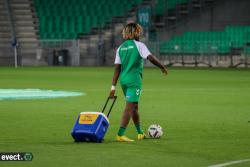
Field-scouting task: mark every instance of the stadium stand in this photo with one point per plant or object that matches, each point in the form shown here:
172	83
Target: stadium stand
67	19
17	27
91	29
207	42
25	30
162	6
5	36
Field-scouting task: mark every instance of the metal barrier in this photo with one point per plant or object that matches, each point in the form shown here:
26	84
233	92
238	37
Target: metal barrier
203	54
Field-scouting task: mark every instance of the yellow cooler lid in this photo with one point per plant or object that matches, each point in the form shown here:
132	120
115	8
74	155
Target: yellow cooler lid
93	117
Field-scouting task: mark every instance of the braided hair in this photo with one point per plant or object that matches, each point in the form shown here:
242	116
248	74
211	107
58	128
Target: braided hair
132	31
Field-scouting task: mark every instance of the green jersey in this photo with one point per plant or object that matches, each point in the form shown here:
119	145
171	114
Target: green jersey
130	55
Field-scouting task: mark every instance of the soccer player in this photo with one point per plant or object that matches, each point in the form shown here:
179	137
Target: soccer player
129	67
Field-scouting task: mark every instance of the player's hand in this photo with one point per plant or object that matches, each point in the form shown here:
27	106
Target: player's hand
112	94
164	71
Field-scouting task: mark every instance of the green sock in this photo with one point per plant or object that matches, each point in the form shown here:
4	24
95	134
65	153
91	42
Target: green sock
138	129
121	131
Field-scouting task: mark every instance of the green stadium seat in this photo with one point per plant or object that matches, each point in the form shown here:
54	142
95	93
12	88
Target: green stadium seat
162	6
207	42
66	19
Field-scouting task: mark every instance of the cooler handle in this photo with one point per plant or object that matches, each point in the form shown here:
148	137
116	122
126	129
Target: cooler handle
115	97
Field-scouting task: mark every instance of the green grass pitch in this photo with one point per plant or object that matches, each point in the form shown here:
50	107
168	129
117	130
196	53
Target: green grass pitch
205	115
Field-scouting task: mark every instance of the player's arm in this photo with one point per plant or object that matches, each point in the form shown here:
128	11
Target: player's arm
157	63
115	79
145	54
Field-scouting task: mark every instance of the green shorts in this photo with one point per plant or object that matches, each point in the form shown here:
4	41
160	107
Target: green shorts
132	93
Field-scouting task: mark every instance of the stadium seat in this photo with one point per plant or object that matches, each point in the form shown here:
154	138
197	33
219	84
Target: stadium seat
207	42
161	6
66	19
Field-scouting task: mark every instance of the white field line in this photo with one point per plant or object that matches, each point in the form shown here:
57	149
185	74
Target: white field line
230	163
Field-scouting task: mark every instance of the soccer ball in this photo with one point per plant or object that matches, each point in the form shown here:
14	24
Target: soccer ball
155	131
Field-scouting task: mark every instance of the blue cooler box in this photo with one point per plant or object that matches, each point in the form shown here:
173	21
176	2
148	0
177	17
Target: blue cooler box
90	127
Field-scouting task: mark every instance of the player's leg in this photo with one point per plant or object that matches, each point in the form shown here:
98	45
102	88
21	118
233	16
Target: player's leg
135	115
125	119
134	97
124	122
136	119
131	110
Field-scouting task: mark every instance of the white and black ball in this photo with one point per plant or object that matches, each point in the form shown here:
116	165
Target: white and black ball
155	131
